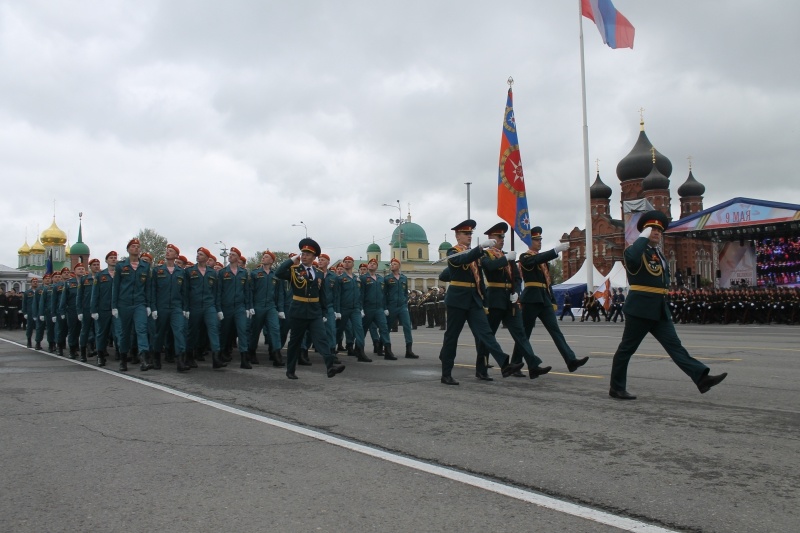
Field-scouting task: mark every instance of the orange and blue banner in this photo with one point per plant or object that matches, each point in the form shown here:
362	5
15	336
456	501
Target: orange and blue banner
512	202
615	29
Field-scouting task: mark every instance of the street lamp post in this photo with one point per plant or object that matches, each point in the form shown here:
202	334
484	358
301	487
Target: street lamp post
398	222
223	252
303	224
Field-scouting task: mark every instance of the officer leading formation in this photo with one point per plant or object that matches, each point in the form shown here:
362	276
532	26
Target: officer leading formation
184	309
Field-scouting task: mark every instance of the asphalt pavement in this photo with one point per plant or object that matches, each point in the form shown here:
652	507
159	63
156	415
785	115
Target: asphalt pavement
385	446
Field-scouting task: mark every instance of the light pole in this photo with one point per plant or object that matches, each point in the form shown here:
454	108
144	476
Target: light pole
223	252
303	224
468	183
398	222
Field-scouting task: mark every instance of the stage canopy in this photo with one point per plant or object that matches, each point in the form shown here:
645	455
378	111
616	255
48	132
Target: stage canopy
740	218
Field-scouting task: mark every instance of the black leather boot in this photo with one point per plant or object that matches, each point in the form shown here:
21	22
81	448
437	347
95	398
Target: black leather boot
156	360
189	359
277	359
387	353
303	359
409	353
362	357
123	362
244	361
60	350
180	362
83	354
253	357
350	351
101	358
38	346
145	366
217	361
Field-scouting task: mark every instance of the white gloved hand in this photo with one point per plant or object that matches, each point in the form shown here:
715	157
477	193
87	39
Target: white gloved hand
362	314
386	312
646	232
511	256
186	314
562	247
281	315
324	319
115	313
220	315
338	316
488	243
54	320
63	317
96	316
41	318
514	297
26	316
252	313
149	312
154	314
80	317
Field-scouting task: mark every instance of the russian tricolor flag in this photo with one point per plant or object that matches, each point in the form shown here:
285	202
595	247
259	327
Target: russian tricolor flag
615	29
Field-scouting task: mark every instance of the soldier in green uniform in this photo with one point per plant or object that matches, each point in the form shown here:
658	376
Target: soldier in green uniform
55	304
169	307
234	300
537	299
105	325
646	310
375	308
331	288
308	307
45	313
350	310
30	300
502	282
69	308
130	302
464	300
85	286
202	296
396	292
267	298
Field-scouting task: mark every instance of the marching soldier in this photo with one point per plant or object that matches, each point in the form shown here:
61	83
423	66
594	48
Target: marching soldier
30	309
46	313
331	287
105	325
203	308
396	295
502	280
235	306
375	308
69	308
85	286
647	312
429	304
537	298
464	302
308	307
130	303
57	318
350	309
169	307
267	297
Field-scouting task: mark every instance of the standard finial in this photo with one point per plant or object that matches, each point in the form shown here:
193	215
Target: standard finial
653	151
597	163
510	82
690	163
641	118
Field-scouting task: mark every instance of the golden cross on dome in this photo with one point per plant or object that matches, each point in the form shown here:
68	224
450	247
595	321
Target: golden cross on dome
653	151
597	163
690	163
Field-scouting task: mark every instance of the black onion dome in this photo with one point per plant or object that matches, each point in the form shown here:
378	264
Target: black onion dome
599	190
691	187
655	180
637	164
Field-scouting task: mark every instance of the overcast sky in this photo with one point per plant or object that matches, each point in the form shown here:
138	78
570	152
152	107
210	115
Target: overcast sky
230	121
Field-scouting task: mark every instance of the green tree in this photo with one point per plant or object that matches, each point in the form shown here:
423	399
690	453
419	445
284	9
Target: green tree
556	271
255	260
152	242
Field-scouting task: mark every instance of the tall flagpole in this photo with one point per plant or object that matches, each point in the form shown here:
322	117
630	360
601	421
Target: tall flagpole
589	255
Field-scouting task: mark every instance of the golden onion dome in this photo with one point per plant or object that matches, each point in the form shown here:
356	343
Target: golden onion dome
67	250
25	249
54	235
37	248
